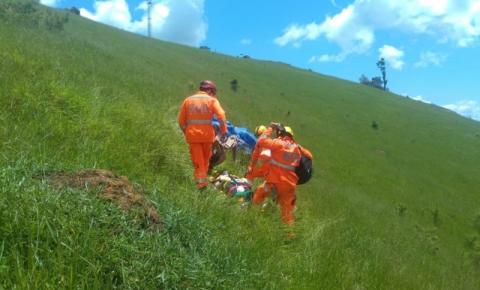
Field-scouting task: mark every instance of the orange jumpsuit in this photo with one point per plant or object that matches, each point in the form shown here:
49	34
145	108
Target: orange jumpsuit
195	120
281	178
259	163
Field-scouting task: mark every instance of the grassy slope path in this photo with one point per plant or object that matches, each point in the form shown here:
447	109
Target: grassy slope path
395	207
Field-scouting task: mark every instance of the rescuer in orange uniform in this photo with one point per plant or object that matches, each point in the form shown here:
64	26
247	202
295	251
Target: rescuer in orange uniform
281	179
195	120
258	166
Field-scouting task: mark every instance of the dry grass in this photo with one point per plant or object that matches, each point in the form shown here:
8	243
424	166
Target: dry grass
114	188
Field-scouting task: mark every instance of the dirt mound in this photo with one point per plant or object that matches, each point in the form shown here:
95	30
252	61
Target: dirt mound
114	188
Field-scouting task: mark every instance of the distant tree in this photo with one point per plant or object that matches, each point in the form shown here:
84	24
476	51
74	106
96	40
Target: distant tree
377	83
74	10
383	70
234	85
364	80
204	47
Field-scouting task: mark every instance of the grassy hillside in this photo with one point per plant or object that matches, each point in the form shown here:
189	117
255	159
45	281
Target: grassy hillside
396	207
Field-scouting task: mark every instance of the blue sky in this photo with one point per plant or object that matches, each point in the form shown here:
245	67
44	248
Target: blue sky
432	47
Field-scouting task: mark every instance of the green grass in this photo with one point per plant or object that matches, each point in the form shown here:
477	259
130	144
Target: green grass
392	208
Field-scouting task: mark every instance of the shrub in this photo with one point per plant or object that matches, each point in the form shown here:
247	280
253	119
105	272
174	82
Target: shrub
234	85
401	209
31	14
53	21
74	10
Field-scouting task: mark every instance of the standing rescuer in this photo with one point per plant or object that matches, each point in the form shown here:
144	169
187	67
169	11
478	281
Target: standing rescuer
195	120
258	166
281	179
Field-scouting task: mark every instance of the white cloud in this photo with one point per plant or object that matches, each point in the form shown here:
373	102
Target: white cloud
291	34
343	29
392	56
417	98
421	99
51	3
353	29
180	21
430	58
246	41
113	12
186	23
328	58
467	108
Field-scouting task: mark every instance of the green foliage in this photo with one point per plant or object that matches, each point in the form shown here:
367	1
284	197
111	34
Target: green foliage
95	97
234	85
375	82
31	14
401	209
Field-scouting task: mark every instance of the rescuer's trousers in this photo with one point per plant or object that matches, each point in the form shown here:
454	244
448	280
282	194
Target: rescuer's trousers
284	193
200	154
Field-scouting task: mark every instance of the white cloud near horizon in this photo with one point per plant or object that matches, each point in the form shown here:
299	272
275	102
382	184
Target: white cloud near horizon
180	21
328	58
353	29
51	3
430	58
392	55
466	108
421	99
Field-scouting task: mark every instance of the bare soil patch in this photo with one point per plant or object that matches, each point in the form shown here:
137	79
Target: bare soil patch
111	187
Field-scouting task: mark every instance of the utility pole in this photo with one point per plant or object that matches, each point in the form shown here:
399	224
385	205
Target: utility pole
149	3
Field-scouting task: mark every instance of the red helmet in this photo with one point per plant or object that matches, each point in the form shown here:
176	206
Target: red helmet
207	85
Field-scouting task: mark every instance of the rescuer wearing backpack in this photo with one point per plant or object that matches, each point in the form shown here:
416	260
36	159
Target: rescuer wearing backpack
281	178
195	120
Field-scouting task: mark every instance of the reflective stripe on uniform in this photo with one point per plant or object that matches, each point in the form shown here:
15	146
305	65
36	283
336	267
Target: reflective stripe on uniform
198	121
284	166
266	153
200	97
